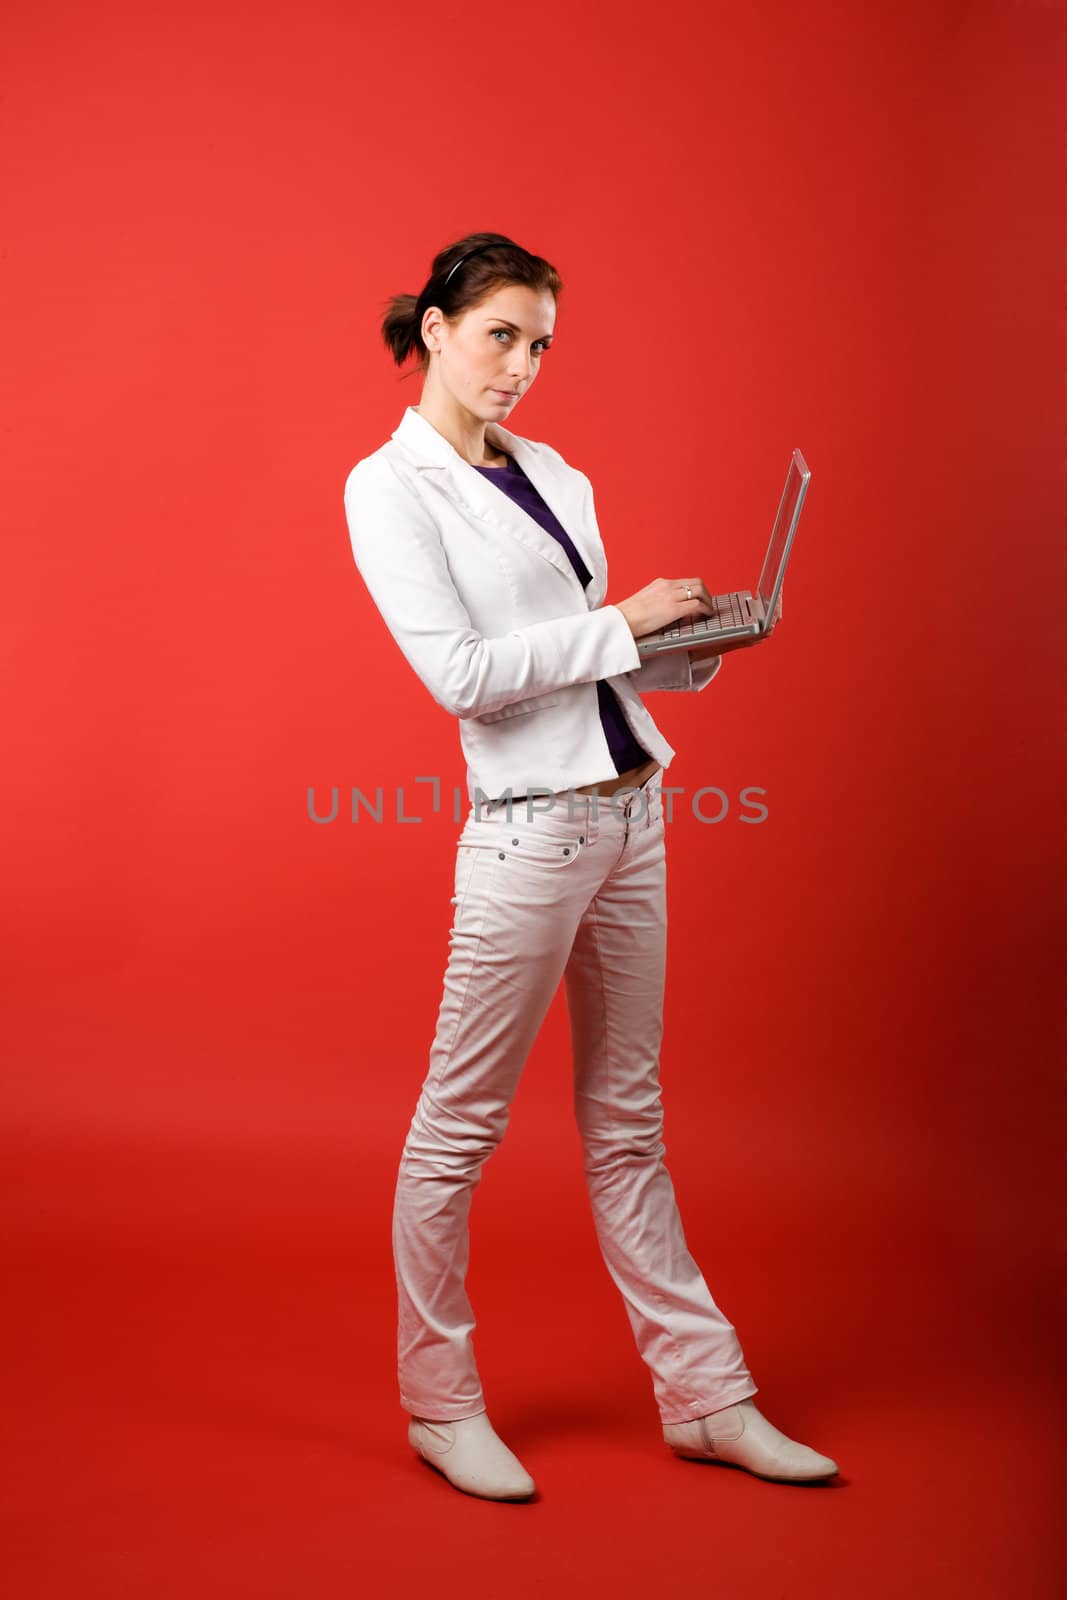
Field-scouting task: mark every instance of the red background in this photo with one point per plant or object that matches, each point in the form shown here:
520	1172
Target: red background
832	226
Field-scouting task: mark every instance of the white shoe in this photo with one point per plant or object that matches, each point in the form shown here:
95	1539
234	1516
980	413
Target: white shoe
741	1436
471	1456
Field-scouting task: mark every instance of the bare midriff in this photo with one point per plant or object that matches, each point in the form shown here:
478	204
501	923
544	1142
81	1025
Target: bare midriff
633	779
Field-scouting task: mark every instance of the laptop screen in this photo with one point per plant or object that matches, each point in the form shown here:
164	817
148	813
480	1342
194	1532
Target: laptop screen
796	484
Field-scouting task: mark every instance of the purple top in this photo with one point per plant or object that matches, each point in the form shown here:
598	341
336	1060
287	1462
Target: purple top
625	750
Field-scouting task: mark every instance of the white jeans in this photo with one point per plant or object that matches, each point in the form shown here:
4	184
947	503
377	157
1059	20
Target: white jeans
576	892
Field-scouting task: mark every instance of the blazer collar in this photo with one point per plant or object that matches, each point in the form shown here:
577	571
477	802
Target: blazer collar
559	486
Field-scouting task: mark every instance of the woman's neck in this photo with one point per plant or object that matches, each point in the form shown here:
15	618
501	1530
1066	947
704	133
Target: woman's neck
474	445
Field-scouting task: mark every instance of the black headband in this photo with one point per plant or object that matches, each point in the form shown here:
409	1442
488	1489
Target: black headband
494	245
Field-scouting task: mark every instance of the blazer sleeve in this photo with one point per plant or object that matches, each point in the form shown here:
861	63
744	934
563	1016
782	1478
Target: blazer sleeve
673	669
398	550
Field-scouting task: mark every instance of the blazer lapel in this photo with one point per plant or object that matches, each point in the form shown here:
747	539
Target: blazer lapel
561	489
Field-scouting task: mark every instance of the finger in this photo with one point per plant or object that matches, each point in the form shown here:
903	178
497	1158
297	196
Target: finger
698	596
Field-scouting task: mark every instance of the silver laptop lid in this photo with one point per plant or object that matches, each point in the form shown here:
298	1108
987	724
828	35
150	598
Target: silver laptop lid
785	526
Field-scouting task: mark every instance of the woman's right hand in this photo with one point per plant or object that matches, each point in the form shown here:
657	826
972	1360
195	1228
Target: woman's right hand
662	602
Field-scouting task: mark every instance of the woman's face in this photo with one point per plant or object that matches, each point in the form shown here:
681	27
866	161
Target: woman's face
490	357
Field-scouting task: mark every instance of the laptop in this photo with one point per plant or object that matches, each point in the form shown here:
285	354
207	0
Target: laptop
740	614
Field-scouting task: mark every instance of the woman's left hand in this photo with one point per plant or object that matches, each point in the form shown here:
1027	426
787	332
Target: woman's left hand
704	652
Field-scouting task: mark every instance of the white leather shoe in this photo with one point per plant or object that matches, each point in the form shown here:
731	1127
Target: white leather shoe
741	1436
471	1456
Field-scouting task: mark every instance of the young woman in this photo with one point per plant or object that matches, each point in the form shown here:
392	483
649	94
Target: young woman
481	550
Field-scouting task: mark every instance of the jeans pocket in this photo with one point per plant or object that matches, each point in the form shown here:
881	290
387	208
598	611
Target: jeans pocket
548	850
545	849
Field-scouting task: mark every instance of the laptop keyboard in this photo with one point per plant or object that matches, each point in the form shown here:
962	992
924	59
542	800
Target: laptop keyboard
728	614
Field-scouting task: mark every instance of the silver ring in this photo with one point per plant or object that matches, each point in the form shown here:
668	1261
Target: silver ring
688	592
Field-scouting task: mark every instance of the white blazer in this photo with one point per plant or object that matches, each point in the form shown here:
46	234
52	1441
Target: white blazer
490	613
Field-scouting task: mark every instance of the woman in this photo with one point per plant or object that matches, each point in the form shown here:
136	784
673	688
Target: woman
481	550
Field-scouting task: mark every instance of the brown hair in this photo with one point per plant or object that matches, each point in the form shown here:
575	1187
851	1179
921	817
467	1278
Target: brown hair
493	260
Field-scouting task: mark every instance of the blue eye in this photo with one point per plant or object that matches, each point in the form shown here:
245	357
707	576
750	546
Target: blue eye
507	334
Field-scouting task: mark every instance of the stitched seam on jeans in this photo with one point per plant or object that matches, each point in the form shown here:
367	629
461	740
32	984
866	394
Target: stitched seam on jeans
461	1009
680	1383
592	909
